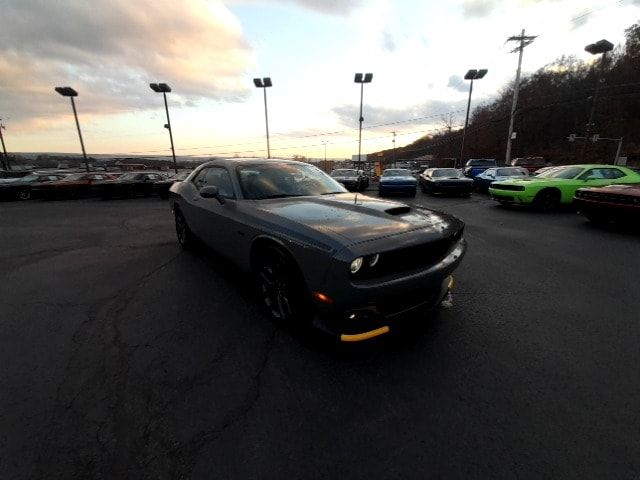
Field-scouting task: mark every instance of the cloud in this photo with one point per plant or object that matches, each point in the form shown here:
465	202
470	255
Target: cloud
478	8
332	7
427	113
111	51
457	83
388	42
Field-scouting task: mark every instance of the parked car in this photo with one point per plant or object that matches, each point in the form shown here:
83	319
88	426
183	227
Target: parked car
130	185
542	170
475	166
161	187
397	180
445	180
348	264
23	188
483	180
75	185
351	178
8	174
558	186
613	203
530	163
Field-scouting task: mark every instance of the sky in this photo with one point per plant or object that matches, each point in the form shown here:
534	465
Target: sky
209	51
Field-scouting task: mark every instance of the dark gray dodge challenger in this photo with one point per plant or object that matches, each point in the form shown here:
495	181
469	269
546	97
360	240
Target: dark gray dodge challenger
351	265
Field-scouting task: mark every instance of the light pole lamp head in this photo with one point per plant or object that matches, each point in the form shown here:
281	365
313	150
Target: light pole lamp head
160	87
66	91
262	82
363	77
474	74
602	46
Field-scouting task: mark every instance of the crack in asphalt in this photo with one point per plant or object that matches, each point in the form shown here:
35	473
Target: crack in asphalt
184	455
115	354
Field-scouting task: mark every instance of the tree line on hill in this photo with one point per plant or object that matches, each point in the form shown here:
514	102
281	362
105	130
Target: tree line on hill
554	102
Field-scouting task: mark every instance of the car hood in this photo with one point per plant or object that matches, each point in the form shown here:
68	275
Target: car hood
344	178
397	179
632	189
358	218
532	181
452	179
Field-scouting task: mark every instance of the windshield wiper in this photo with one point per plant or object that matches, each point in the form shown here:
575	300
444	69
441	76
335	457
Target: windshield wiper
331	193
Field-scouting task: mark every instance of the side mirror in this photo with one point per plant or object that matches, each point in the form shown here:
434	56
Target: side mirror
211	192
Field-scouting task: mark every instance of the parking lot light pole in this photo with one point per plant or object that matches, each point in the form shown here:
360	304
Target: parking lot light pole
361	78
70	92
164	89
601	47
471	75
5	159
265	83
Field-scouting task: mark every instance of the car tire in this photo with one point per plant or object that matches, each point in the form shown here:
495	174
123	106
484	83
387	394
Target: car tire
281	288
183	232
24	194
412	194
547	200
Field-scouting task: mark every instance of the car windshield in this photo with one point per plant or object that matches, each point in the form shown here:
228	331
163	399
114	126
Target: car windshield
447	172
75	176
511	172
277	180
562	172
396	172
129	176
179	176
27	179
481	163
344	172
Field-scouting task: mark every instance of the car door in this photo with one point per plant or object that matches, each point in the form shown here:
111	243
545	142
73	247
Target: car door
145	186
215	220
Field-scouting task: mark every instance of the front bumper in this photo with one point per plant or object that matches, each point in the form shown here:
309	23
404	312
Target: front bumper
512	197
363	310
391	188
453	189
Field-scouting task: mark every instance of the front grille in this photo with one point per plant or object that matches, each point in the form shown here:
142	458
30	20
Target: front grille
453	185
418	257
609	197
511	188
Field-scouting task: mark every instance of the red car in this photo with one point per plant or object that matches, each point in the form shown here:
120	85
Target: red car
76	185
614	203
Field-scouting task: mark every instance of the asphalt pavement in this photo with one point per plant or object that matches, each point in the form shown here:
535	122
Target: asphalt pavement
123	357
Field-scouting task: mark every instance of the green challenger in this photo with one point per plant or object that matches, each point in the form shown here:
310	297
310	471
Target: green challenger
558	185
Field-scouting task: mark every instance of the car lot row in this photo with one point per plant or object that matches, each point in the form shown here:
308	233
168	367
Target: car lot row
56	185
603	193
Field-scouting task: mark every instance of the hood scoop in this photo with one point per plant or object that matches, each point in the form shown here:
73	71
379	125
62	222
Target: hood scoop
398	210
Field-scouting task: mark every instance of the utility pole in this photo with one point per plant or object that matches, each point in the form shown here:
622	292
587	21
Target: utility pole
602	47
394	149
5	161
524	41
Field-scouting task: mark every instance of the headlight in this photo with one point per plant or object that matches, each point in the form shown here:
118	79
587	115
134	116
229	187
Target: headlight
374	259
356	265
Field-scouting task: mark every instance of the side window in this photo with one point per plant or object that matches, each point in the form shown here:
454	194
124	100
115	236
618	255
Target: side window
215	176
612	173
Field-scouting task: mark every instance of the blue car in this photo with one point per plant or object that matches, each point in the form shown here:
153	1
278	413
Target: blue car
399	181
490	175
476	166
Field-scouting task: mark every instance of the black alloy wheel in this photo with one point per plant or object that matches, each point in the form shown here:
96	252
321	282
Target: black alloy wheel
184	235
23	194
281	288
547	200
